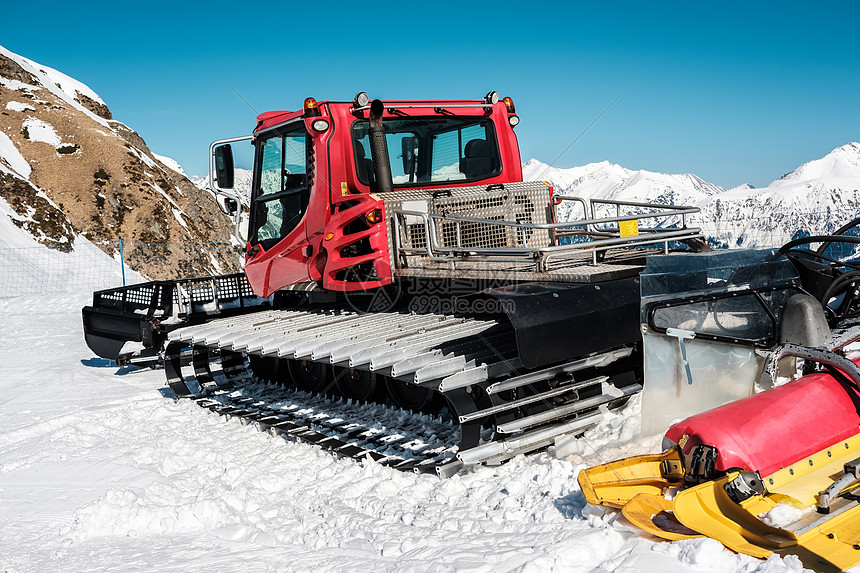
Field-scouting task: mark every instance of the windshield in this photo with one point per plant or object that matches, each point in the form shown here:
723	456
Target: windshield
432	150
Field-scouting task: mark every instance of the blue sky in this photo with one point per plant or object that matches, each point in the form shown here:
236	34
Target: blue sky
735	92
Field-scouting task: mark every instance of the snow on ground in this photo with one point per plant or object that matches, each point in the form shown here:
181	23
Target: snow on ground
38	130
27	267
10	154
19	106
101	469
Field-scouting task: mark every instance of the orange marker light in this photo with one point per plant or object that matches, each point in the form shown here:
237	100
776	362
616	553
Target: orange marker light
373	217
312	109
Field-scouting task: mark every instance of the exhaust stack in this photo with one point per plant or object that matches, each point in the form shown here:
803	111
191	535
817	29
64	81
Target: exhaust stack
379	149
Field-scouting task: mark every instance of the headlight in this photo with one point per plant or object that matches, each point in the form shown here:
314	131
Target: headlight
361	99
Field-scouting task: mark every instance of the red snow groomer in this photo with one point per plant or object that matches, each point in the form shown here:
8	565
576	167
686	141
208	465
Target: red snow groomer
394	255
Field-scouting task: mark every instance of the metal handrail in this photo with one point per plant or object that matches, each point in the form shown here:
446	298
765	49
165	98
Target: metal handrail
683	211
550	226
541	255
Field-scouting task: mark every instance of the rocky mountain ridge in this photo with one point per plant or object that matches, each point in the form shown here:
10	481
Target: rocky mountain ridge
67	168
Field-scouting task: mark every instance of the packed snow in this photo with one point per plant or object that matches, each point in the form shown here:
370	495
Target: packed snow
784	514
38	130
13	158
19	106
102	469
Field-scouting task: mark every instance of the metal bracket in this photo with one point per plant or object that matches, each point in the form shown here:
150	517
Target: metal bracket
850	476
683	335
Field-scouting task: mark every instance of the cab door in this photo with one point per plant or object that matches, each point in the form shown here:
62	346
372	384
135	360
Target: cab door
277	240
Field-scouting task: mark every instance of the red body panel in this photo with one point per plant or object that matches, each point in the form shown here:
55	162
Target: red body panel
285	264
775	428
314	250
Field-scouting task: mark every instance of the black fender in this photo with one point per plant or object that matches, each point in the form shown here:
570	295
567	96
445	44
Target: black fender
555	322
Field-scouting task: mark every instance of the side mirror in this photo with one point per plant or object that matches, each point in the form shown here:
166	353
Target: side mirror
229	205
224	168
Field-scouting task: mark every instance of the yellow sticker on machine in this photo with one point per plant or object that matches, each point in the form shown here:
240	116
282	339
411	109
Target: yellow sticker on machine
343	189
629	228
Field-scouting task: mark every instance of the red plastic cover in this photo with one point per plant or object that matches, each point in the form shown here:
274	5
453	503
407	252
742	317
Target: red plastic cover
774	428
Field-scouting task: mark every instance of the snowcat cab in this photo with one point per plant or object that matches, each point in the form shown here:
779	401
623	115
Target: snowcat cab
329	225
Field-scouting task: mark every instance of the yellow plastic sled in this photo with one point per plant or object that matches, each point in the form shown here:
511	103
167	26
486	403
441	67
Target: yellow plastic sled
735	508
638	486
616	483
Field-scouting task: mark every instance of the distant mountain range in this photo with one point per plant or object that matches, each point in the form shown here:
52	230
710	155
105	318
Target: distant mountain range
816	198
242	180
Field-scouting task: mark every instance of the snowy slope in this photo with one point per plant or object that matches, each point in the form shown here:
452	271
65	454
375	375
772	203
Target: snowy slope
101	469
117	475
69	90
841	163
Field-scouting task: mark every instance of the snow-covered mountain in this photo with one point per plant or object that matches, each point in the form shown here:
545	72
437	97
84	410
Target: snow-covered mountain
69	169
840	164
816	198
609	181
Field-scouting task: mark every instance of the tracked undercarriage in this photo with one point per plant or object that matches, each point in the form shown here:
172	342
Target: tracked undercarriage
467	369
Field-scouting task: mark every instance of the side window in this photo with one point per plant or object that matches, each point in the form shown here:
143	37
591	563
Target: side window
731	318
271	165
283	190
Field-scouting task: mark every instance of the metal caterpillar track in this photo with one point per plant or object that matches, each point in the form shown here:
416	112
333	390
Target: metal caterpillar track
498	409
417	445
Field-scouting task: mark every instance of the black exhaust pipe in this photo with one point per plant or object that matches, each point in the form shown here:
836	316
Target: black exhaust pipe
379	149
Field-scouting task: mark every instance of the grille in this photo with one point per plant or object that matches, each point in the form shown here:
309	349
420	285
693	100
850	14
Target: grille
514	203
